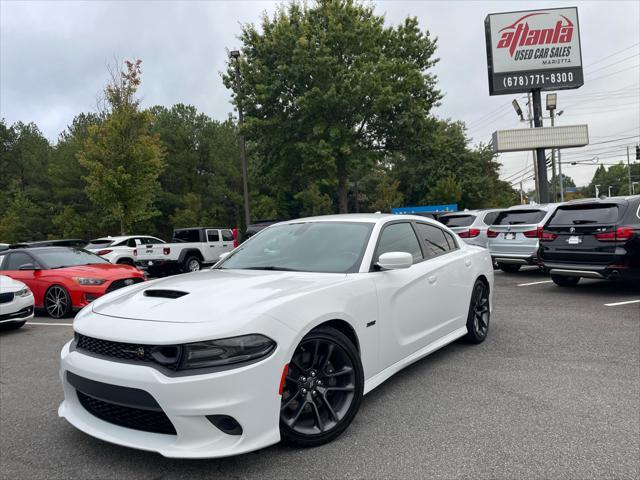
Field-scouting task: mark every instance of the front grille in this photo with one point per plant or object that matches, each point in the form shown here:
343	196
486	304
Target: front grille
25	312
6	297
135	418
125	282
131	352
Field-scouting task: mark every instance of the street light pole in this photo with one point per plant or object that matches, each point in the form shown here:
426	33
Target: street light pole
235	54
541	161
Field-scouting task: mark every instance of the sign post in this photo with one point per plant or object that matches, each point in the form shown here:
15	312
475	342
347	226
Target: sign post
532	51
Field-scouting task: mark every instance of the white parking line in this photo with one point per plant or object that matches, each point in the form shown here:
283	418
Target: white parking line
621	303
54	324
534	283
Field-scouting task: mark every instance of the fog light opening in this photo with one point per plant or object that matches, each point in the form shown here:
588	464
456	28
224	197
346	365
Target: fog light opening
226	424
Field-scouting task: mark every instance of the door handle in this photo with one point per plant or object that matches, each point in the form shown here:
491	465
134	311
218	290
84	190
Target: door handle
432	279
467	262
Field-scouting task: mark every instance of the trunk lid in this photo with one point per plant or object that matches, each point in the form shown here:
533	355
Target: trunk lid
577	232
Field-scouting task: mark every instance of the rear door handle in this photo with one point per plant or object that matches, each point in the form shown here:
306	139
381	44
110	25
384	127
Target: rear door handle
432	279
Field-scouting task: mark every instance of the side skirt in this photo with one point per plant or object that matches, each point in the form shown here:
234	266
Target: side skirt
379	378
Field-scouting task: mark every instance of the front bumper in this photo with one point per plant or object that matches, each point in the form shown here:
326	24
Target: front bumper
248	394
19	309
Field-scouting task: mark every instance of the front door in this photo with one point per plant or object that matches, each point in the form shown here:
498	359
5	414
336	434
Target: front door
214	246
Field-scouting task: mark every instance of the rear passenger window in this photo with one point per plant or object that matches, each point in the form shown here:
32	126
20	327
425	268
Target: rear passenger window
227	235
213	236
435	239
451	241
399	237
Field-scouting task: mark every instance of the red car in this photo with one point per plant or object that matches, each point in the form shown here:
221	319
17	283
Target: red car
63	279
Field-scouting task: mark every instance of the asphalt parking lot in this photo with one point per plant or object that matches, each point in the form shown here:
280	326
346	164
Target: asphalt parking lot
553	393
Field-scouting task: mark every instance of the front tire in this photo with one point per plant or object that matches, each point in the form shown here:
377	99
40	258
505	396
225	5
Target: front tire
563	281
322	390
479	313
509	267
57	302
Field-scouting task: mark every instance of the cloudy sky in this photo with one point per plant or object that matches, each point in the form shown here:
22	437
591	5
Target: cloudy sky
53	58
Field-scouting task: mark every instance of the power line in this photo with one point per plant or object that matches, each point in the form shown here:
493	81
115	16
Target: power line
611	64
612	55
614	73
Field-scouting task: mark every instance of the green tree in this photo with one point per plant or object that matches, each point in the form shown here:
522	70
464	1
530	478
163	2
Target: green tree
446	190
123	159
313	201
328	87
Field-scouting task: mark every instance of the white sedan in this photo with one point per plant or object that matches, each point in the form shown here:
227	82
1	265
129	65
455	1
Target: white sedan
16	303
280	340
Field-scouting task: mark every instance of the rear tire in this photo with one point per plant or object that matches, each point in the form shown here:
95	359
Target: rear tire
191	264
322	390
509	267
479	313
562	281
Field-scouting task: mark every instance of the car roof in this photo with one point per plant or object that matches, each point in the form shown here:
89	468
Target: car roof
202	228
36	249
119	238
358	217
619	199
537	206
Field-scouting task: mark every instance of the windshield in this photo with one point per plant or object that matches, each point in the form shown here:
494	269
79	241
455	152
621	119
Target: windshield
585	214
457	220
68	257
520	217
330	247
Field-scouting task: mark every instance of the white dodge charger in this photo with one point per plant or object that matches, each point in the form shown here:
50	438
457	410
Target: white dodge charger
280	340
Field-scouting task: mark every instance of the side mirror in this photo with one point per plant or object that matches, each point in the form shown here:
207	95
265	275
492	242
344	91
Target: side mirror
395	260
27	266
224	255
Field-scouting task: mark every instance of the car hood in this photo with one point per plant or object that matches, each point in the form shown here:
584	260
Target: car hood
8	284
108	271
212	295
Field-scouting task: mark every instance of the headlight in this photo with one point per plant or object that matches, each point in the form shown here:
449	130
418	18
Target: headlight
226	351
89	281
25	292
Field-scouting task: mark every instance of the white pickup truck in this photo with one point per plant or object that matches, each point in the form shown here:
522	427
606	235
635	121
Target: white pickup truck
190	249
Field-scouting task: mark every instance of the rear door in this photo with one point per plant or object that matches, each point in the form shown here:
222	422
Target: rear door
582	233
516	231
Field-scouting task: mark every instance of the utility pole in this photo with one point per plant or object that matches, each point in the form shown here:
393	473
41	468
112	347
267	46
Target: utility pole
535	163
609	191
560	174
235	54
521	194
554	187
629	171
543	188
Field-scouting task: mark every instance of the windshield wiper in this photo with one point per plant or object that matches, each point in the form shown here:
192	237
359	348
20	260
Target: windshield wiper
271	267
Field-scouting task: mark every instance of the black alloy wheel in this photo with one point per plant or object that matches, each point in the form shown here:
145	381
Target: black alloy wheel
57	302
479	313
322	390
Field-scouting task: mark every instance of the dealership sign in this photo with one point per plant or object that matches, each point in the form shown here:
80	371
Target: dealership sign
523	139
536	49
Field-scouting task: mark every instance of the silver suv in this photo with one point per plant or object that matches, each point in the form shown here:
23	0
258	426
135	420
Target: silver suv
471	225
514	236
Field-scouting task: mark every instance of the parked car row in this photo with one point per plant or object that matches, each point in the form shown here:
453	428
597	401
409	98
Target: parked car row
588	238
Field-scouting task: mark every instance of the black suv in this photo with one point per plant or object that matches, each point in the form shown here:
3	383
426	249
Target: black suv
594	238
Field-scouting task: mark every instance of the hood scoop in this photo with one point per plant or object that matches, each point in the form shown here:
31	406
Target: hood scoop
157	293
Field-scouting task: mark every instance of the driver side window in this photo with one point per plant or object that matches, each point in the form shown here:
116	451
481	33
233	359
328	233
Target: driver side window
399	237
